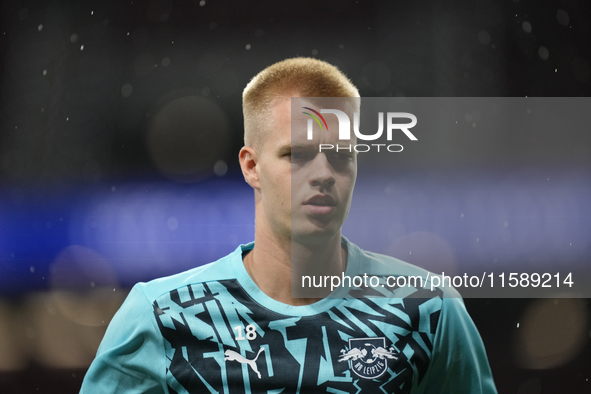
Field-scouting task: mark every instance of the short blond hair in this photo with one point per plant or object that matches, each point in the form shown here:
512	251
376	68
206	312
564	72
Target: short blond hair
297	77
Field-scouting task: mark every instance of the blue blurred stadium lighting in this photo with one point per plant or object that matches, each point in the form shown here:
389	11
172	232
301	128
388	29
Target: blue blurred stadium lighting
147	231
137	230
538	219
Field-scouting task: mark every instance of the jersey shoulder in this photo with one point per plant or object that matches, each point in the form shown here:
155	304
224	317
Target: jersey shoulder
383	265
219	270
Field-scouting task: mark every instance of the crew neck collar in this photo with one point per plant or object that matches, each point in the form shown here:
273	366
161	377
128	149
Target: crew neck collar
279	307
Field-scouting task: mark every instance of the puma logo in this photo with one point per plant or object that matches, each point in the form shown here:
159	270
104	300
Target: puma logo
231	355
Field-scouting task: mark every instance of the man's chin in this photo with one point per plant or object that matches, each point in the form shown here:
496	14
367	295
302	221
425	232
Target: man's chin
315	236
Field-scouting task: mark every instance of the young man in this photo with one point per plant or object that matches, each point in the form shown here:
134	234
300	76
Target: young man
232	326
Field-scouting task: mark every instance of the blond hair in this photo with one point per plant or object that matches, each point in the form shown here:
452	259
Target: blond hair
297	77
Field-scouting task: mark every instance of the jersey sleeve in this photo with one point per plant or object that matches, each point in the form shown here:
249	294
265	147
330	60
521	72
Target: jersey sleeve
131	357
459	364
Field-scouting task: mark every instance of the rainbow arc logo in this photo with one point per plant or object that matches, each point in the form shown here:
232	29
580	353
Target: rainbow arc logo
315	118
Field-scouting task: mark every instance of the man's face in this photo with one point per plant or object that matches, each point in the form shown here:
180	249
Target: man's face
306	194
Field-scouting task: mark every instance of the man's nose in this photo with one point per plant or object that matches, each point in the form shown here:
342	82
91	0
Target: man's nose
321	172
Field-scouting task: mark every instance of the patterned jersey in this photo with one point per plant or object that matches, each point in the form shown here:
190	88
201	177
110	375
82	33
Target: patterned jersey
212	330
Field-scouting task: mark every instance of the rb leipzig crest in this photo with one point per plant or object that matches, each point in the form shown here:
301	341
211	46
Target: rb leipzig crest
368	357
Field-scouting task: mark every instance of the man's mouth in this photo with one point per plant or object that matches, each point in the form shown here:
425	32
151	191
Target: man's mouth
321	201
320	205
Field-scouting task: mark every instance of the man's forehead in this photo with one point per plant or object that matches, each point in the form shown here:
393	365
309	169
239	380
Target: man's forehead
286	106
345	104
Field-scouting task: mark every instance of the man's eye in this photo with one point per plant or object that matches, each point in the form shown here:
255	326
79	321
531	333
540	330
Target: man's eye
342	156
298	156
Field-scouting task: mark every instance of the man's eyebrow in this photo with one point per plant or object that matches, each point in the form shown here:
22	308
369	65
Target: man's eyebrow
285	148
302	146
295	146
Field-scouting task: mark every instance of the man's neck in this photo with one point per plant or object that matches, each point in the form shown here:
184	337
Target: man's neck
274	263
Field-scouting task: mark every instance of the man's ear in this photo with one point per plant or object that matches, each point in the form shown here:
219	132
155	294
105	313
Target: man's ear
248	163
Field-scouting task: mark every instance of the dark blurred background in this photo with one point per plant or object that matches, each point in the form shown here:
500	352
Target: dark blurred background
120	127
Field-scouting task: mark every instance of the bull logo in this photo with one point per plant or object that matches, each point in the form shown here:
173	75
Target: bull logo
368	357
